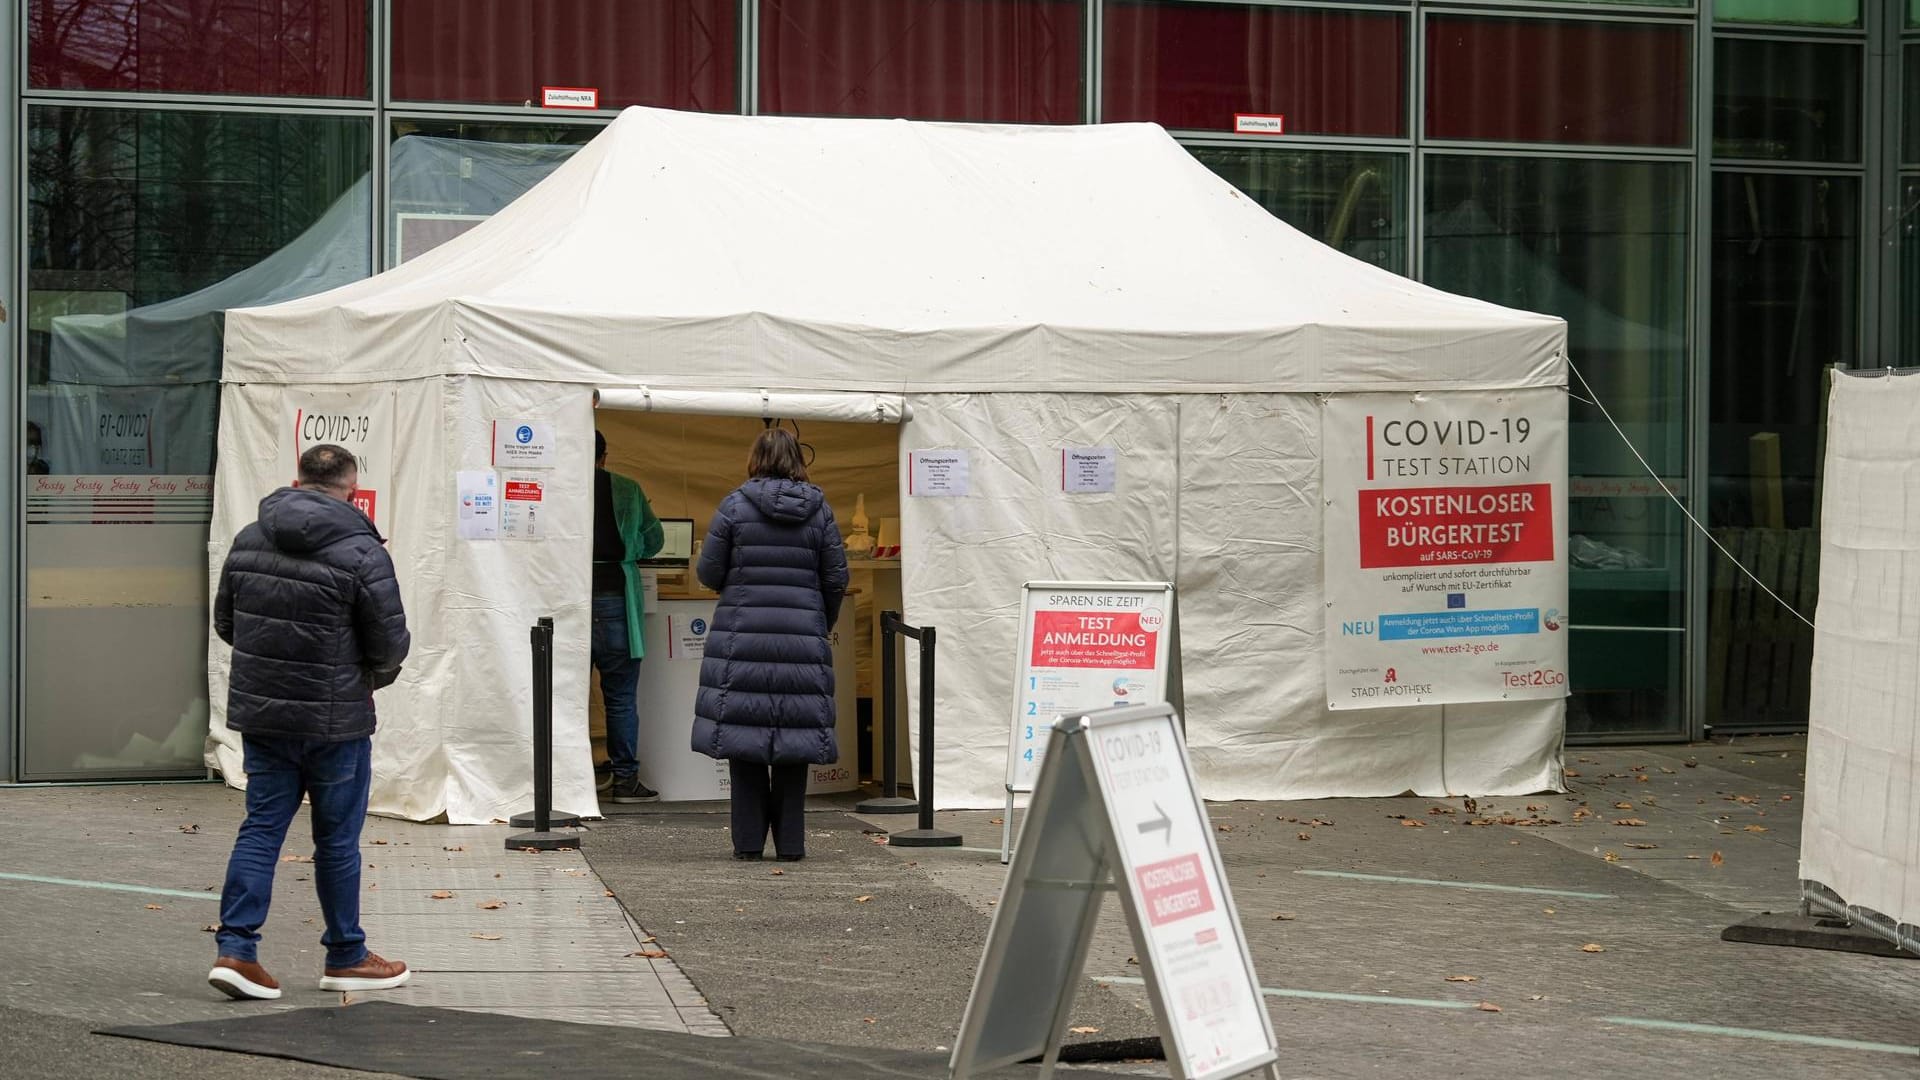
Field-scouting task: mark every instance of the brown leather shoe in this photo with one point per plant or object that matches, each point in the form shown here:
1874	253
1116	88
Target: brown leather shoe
373	973
242	980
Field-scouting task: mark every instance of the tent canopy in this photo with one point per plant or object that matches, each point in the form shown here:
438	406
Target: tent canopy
896	256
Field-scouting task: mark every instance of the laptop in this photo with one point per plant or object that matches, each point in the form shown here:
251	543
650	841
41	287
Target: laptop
676	551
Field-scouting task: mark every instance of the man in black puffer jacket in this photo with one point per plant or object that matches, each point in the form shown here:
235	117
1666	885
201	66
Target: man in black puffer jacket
310	604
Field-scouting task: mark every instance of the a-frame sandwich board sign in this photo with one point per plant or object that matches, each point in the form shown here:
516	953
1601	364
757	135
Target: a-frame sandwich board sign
1115	808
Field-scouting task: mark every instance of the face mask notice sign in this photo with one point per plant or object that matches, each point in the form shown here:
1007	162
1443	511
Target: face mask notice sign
1115	808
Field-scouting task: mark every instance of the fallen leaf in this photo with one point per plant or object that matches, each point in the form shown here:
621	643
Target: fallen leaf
1718	859
608	892
1284	916
1306	836
1434	811
881	840
1623	806
779	873
649	954
210	928
996	821
1756	828
1134	960
155	907
346	999
1412	824
1487	1006
484	937
1666	770
1593	948
1747	799
870	1020
296	858
1319	821
1786	798
1472	805
189	828
1569	772
1611	856
1549	911
377	843
1534	808
461	847
491	905
529	851
1639	768
1084	1030
1631	822
1644	778
1463	978
1224	828
649	940
1643	847
1691	764
440	895
861	899
1695	858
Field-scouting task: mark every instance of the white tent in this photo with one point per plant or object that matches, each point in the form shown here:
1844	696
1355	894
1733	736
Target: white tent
1018	290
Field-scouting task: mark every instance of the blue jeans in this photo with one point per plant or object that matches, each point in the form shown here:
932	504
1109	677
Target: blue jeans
619	676
335	775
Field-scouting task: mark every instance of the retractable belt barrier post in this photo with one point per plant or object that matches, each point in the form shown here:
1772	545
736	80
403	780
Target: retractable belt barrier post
925	835
890	801
543	837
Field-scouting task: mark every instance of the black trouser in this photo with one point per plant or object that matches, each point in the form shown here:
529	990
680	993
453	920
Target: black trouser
769	796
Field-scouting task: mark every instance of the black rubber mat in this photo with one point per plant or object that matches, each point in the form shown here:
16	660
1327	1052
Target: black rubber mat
447	1044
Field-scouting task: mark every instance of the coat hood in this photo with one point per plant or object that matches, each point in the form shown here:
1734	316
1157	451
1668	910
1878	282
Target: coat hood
301	522
783	500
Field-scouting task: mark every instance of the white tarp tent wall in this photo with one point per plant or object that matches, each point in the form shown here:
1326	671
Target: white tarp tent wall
1018	290
1860	837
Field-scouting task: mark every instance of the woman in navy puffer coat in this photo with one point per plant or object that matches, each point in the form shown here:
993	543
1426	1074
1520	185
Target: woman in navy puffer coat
766	701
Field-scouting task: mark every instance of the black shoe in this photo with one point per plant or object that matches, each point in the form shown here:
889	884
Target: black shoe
747	856
792	858
631	790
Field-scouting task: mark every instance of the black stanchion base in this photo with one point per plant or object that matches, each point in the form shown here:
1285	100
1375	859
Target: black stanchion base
923	838
554	821
884	805
544	841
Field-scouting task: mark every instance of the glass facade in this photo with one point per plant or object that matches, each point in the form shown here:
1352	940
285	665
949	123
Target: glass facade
143	226
1707	231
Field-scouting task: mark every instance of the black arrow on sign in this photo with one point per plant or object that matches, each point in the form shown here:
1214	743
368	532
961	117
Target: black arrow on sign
1163	823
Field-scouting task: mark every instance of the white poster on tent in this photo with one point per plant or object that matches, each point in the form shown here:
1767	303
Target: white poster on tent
1445	540
360	421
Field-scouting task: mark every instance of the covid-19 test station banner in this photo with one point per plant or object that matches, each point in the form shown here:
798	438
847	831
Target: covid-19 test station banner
1446	543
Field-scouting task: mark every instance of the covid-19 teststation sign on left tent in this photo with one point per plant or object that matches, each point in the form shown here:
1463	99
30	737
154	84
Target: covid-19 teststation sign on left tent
1446	572
360	421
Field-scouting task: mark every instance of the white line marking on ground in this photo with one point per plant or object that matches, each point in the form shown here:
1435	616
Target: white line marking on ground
1765	1036
1480	885
1320	995
114	886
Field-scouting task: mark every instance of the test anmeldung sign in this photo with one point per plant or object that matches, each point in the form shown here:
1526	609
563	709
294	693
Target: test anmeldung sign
1084	645
1446	569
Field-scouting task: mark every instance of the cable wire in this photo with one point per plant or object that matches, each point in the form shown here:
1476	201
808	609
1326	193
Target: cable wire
1635	451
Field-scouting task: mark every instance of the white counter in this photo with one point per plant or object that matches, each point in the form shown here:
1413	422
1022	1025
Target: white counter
669	682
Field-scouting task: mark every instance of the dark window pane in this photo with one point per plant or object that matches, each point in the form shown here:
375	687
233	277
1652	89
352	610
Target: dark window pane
1193	66
1786	304
143	228
1604	246
1002	61
1792	12
1910	111
296	48
678	54
446	176
1785	100
1350	201
1909	271
1548	80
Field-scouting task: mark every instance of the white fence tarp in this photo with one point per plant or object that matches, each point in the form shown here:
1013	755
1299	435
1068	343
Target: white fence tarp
1861	838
